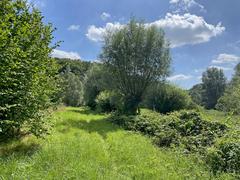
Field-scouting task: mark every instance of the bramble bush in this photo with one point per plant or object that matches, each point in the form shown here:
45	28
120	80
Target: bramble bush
225	157
183	128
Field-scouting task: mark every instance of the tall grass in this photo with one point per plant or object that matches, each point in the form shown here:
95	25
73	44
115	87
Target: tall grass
84	145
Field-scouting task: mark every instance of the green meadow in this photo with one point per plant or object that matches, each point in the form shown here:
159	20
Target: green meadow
85	145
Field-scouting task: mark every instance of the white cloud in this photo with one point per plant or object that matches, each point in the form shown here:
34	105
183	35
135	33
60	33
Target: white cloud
74	27
104	16
187	29
222	67
226	59
180	29
97	33
186	5
64	54
179	77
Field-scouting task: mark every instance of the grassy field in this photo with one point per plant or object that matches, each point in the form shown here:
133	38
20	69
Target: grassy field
84	145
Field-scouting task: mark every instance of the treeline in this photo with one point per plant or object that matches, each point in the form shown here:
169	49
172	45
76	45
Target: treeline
90	84
216	93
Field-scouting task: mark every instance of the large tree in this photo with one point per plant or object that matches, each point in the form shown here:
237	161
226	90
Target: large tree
136	56
230	102
213	84
27	73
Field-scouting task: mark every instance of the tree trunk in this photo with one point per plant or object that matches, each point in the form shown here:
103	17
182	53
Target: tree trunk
131	105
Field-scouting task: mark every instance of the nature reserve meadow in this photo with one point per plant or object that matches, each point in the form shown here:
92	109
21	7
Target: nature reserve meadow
146	108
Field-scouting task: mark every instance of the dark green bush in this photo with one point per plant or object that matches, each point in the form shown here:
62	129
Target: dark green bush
185	128
7	130
108	101
225	157
166	98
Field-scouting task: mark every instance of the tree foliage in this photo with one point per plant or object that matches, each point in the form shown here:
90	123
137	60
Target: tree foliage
165	98
230	101
27	74
97	79
136	56
196	93
72	92
214	83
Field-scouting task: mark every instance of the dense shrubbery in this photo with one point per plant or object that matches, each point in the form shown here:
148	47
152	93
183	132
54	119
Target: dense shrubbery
225	156
28	74
184	128
165	98
108	101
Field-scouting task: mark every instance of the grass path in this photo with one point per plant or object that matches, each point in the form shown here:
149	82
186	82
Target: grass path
85	145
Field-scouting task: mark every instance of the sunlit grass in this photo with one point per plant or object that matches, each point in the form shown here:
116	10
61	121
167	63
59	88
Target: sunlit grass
84	145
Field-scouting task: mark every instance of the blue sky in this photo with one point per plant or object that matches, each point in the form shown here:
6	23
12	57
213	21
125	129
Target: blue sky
202	33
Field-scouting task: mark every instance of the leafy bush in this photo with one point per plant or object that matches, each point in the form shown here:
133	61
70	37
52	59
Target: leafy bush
185	128
28	75
225	157
97	79
108	101
165	98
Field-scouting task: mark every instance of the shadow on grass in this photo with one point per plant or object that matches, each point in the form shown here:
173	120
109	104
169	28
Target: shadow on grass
102	126
19	149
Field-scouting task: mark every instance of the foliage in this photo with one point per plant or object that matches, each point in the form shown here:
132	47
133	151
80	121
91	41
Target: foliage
28	75
108	101
230	101
184	128
165	98
84	145
72	89
196	93
77	67
225	157
213	83
96	80
135	56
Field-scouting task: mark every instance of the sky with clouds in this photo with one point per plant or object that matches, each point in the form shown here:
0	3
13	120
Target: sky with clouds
202	33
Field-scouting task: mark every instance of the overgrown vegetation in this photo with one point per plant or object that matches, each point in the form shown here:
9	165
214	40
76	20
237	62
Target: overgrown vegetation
214	141
28	75
85	145
183	128
193	143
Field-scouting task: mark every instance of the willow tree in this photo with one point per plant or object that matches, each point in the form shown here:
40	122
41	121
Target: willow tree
136	55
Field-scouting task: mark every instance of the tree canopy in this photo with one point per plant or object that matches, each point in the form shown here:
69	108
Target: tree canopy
213	84
136	56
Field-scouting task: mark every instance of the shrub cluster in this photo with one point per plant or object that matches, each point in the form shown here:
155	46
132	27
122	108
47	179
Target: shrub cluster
225	157
166	98
108	101
183	128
